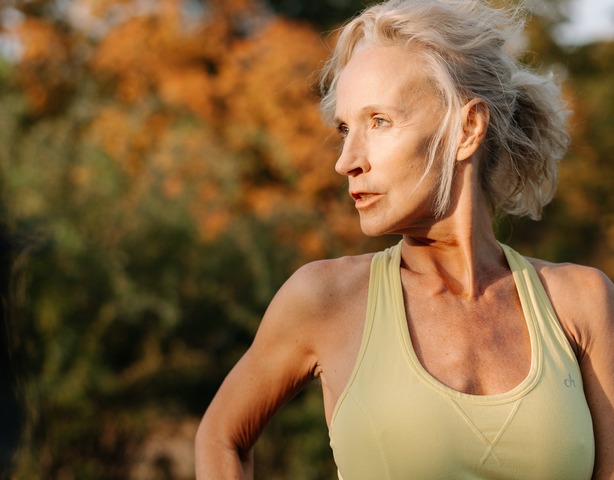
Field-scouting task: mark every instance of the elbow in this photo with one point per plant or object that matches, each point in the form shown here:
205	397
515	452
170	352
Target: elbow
218	456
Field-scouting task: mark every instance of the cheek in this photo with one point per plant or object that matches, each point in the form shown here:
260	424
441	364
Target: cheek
415	157
424	145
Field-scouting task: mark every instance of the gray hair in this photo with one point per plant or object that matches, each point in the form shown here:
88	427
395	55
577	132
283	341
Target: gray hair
466	46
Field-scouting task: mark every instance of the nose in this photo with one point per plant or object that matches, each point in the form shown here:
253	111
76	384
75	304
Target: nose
353	158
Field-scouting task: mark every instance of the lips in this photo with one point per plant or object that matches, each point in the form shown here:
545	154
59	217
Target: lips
361	195
364	199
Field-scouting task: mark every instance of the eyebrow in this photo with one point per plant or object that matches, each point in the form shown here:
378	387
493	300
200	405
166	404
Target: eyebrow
367	109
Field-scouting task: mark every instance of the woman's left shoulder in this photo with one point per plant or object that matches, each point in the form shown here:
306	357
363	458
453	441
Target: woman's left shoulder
570	276
583	298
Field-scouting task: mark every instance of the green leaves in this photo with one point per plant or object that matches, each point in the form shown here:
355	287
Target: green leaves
170	179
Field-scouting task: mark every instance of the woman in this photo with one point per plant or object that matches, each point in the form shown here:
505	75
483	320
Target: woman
448	355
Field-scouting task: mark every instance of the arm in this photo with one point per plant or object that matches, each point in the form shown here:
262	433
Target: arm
279	363
584	300
597	365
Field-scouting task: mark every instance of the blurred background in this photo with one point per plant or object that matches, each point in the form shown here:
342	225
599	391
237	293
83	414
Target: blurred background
163	169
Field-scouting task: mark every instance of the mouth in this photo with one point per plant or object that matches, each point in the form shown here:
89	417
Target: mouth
362	195
364	199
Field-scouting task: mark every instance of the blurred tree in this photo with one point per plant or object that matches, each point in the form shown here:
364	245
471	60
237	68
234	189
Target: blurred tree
11	369
169	161
179	189
323	14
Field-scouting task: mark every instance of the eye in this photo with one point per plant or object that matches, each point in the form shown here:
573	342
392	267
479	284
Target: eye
343	130
378	122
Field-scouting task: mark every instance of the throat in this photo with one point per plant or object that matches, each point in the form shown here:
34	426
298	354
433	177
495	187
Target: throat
458	252
460	272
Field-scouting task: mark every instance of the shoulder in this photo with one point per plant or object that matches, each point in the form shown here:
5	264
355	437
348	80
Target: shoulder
583	298
566	275
576	285
310	305
317	290
325	284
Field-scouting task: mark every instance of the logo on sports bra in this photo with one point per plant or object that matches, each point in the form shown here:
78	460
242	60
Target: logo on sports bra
570	382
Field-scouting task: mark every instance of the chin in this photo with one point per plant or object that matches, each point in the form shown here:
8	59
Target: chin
373	230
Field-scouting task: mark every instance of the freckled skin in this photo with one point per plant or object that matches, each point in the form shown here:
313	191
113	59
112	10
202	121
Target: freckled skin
387	115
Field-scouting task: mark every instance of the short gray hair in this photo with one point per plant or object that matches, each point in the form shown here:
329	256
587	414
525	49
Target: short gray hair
466	46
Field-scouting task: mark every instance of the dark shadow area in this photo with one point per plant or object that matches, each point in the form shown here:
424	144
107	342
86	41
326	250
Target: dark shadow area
11	367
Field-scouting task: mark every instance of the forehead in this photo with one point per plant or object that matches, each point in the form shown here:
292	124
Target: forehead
382	75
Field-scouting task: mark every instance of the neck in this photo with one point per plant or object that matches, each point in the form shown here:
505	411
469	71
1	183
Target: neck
458	252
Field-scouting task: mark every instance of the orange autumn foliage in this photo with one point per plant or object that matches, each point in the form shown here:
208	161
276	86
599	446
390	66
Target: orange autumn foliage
45	53
253	95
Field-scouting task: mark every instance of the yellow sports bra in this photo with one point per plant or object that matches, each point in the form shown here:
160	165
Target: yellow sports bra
394	421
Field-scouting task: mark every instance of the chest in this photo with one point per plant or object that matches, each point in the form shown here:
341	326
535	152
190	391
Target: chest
405	411
479	347
535	436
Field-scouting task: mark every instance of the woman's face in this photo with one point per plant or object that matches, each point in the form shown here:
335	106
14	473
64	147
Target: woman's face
387	113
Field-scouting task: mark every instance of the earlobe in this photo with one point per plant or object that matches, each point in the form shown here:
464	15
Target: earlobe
475	117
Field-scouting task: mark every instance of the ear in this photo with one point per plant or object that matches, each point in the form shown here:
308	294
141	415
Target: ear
475	118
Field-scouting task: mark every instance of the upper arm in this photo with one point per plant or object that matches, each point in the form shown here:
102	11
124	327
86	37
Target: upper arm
584	300
280	361
597	366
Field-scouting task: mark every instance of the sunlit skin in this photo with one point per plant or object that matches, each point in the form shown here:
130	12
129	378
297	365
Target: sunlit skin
387	115
461	304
